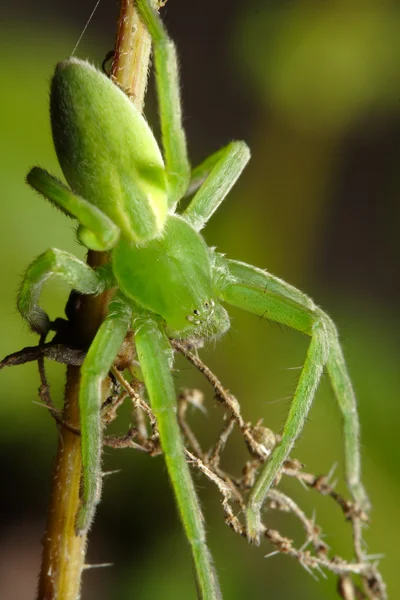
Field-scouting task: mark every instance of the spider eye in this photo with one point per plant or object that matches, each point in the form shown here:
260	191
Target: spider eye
196	312
206	304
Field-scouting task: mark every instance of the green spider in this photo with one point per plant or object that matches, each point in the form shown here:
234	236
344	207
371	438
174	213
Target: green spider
170	285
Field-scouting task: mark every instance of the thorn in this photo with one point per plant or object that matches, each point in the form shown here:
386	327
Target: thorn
374	556
98	566
376	564
278	400
201	408
303	483
304	546
309	571
331	472
320	571
272	554
43	405
107	473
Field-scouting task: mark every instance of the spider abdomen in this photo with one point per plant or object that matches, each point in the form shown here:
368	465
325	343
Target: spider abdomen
109	157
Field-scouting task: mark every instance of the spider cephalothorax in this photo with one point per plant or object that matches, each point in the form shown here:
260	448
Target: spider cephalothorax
179	285
169	283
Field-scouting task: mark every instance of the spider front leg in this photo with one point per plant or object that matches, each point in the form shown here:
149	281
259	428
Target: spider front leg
200	173
70	269
215	177
97	363
95	369
222	169
168	92
156	360
263	294
96	231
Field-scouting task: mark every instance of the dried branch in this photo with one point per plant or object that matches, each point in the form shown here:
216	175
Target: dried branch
314	554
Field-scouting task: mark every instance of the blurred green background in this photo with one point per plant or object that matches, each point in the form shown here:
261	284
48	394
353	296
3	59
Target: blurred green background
314	88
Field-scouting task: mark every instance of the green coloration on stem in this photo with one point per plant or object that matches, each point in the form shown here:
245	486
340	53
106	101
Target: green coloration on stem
171	284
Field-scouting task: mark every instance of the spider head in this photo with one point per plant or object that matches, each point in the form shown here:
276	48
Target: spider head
208	320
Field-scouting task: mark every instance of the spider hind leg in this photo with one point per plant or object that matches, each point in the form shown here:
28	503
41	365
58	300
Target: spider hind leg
263	294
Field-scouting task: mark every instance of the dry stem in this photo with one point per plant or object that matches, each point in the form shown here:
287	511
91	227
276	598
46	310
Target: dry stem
64	551
314	554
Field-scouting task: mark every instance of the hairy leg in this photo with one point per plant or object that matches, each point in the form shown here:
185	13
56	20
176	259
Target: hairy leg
95	368
167	81
220	172
156	358
67	267
96	230
263	294
200	173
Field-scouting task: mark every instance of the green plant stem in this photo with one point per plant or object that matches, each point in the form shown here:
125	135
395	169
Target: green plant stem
63	558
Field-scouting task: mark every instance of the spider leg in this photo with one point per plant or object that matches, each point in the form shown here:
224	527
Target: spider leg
263	294
167	82
70	269
200	173
95	368
156	358
219	172
96	231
